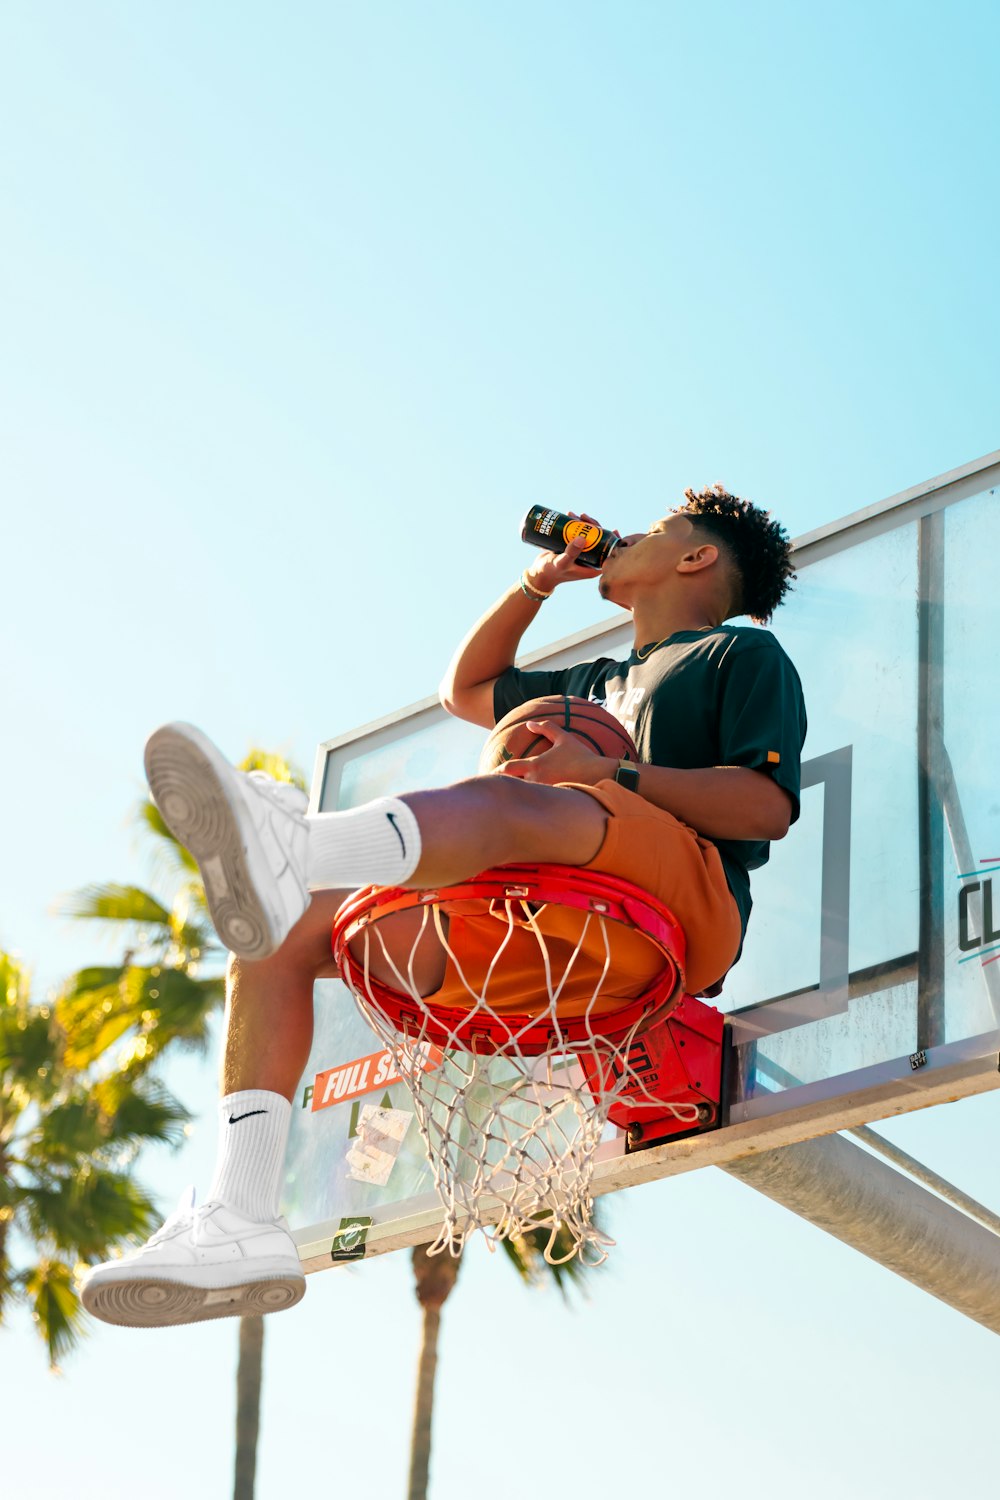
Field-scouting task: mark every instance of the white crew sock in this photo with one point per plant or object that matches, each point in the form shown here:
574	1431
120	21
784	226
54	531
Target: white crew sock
377	844
250	1165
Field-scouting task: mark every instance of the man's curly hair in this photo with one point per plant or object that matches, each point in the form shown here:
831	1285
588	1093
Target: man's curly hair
757	547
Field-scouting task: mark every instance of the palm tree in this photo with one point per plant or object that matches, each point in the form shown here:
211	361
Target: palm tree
163	994
67	1143
249	1372
435	1276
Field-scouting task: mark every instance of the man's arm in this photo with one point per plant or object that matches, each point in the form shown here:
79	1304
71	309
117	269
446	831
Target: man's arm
488	650
719	802
491	645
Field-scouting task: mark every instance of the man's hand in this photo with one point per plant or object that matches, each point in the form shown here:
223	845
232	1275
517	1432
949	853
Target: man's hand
567	759
491	645
550	568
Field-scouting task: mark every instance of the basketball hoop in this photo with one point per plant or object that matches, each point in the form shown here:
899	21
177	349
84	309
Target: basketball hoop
513	1115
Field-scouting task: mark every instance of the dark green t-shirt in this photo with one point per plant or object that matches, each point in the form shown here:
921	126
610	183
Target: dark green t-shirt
727	696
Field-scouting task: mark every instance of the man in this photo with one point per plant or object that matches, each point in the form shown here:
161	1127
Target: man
717	714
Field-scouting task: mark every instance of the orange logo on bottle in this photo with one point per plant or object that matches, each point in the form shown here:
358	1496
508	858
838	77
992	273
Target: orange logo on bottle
591	534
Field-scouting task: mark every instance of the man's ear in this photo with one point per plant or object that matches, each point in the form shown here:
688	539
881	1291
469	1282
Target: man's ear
698	558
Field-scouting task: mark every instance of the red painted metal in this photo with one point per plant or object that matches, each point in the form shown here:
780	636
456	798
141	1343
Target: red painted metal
678	1061
586	890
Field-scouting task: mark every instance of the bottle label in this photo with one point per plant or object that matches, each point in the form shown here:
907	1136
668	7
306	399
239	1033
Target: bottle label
590	533
545	522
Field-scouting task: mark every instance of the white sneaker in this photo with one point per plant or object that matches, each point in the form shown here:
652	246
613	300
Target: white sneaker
204	1263
247	832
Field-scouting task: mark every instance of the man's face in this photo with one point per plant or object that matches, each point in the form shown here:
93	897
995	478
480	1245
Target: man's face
649	559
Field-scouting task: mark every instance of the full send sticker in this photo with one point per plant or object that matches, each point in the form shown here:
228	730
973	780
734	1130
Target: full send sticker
366	1075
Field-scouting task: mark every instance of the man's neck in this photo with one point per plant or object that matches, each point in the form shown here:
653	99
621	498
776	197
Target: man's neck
658	624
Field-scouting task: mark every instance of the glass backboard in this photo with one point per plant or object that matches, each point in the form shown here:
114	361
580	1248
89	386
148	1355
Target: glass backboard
870	980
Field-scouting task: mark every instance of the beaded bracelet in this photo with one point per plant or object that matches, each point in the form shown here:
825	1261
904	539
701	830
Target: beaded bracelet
530	592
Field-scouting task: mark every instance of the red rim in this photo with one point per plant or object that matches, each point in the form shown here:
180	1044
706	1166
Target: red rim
563	885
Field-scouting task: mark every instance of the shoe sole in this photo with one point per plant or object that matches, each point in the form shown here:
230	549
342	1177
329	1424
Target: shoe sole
155	1302
186	776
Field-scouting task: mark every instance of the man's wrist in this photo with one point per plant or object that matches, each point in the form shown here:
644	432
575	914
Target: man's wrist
540	573
626	774
604	769
532	590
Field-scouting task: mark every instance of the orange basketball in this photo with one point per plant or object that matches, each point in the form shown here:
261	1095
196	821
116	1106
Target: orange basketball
593	725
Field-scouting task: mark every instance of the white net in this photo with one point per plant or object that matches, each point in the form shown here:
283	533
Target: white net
512	1107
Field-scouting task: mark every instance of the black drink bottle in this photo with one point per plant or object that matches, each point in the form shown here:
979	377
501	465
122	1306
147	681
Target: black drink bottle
553	530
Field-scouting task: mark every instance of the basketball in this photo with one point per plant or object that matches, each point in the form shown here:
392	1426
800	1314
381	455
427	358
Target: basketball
593	725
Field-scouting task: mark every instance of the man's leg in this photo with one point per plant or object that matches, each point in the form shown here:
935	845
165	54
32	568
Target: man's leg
269	1004
260	857
498	820
268	1034
234	1256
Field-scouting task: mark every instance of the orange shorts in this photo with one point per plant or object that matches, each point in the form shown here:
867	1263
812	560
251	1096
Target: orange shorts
642	844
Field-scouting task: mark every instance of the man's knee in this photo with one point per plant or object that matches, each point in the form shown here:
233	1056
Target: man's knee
505	797
306	948
533	808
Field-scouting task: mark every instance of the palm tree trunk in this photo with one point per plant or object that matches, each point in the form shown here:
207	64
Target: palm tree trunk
420	1447
248	1385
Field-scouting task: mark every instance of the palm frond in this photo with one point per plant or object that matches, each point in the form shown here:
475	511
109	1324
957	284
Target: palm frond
274	765
180	1003
109	1207
133	1114
86	982
116	1114
85	1214
96	1008
65	1132
527	1255
15	981
9	1283
112	902
29	1050
55	1306
520	1260
191	929
42	1210
149	816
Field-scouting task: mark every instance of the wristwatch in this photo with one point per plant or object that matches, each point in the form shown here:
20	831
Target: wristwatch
627	775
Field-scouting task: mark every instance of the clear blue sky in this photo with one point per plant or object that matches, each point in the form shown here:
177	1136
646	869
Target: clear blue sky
302	307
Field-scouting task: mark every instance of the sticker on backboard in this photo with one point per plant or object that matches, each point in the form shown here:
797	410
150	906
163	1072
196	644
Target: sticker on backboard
364	1075
349	1241
375	1148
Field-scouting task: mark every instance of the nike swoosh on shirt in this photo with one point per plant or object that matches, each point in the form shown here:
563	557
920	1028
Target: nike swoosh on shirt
235	1119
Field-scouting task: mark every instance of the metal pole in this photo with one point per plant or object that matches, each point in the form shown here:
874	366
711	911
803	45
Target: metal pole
891	1219
930	748
939	1185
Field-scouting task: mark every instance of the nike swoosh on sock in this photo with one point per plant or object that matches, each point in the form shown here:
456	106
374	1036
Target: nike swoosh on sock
398	832
235	1119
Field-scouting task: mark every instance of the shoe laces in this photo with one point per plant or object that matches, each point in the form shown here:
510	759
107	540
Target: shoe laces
291	799
182	1214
